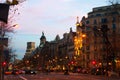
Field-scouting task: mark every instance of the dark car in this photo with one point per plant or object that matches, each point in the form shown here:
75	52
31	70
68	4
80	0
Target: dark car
98	71
30	72
77	69
85	71
33	72
15	72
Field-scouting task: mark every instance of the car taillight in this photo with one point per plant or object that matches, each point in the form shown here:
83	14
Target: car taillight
97	69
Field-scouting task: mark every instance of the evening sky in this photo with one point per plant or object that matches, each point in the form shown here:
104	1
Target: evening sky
49	16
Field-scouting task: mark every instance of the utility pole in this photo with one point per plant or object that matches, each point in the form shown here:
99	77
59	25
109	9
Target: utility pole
4	9
1	60
1	54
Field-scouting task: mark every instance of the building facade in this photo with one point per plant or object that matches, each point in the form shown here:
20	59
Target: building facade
94	44
102	28
29	49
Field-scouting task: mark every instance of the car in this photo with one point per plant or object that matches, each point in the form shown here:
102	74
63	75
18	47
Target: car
15	72
21	72
77	69
98	71
33	72
85	71
8	72
30	72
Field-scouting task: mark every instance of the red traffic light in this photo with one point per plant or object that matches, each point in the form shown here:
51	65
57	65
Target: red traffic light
72	62
93	62
4	64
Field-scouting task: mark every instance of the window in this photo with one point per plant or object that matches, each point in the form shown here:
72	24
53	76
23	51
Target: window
87	22
95	31
87	28
104	20
88	56
113	19
95	22
87	47
113	27
98	14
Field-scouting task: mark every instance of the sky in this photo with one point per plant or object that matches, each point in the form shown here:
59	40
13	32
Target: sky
49	16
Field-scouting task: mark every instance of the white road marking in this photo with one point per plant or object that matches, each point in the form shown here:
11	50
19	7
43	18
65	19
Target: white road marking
22	77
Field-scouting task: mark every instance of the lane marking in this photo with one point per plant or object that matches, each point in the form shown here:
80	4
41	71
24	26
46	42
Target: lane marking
22	77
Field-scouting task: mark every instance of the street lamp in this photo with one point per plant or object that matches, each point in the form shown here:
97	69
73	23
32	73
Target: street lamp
3	30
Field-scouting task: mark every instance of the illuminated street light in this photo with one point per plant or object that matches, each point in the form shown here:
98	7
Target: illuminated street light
6	28
84	35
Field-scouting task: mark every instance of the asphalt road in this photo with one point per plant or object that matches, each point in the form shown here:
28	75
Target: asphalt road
59	76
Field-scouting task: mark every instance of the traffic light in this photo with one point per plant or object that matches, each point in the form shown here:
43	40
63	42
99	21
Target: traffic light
4	64
72	62
93	62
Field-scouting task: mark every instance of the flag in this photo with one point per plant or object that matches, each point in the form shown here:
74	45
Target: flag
4	10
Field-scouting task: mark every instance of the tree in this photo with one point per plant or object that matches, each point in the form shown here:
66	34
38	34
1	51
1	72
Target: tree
14	2
13	12
115	11
114	2
12	55
7	27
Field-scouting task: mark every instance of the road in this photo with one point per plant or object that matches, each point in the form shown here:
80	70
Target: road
58	76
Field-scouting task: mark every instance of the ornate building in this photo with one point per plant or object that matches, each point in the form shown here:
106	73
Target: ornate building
94	44
102	28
